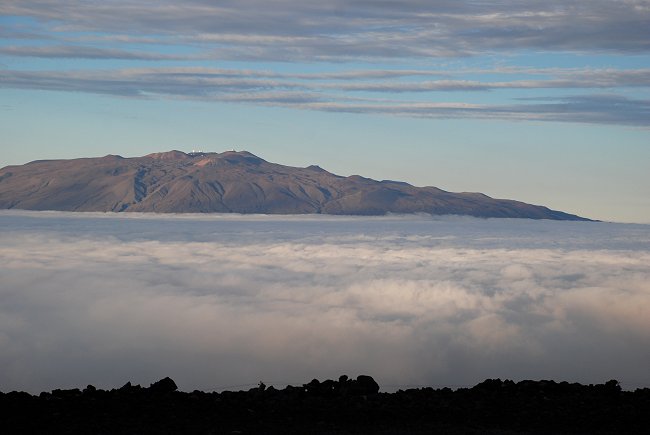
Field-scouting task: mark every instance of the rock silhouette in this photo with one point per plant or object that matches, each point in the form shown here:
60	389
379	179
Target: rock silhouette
163	386
346	406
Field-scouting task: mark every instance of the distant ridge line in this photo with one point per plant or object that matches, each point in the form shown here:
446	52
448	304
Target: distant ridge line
233	182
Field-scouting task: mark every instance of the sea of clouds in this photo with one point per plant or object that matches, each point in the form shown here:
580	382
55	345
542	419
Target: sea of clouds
225	301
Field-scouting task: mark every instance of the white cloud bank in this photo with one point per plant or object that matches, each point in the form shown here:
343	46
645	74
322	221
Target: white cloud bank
227	300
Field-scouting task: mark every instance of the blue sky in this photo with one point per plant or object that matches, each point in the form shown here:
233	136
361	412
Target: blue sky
547	102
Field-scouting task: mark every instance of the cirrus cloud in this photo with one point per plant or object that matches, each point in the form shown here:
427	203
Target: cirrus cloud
336	29
341	92
416	35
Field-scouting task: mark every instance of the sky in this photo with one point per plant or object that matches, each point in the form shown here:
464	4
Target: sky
547	102
225	301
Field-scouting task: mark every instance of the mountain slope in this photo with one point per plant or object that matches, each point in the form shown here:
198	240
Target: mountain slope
237	182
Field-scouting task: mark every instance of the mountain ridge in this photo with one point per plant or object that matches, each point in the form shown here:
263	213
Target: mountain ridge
232	182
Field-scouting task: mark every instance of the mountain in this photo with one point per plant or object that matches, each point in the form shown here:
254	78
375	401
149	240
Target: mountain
231	182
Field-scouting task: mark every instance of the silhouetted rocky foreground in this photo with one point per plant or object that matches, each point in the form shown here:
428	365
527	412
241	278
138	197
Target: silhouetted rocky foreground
333	407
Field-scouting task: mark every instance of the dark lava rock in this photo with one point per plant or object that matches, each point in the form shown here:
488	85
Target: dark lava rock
166	385
345	406
366	385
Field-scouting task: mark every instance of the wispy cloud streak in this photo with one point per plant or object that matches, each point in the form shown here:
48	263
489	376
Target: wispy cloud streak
335	92
83	52
371	33
337	29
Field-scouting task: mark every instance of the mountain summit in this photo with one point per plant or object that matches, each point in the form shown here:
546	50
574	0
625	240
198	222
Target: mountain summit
231	182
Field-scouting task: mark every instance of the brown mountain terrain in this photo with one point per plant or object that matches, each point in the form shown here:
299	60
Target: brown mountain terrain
231	182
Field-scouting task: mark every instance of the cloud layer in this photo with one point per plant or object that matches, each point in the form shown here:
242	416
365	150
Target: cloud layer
368	92
338	29
369	33
223	301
